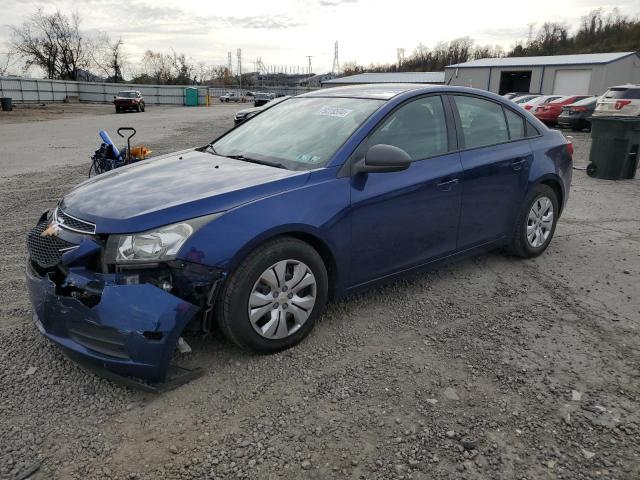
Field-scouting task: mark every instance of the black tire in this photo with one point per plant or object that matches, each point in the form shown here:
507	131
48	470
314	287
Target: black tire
137	108
520	245
118	110
231	306
592	169
142	107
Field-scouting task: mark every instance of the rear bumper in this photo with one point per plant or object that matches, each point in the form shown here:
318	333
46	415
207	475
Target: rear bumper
131	331
578	122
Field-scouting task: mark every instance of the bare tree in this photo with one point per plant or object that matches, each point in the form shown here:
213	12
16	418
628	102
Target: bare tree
54	43
7	61
109	58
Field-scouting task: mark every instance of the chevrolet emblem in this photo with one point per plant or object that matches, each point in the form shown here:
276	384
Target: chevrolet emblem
51	231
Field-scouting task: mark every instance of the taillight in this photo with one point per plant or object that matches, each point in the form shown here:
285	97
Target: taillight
579	109
569	147
622	103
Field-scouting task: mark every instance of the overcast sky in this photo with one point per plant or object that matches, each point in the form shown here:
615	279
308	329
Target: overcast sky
284	32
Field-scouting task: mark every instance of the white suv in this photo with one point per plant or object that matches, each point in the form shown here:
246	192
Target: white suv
623	100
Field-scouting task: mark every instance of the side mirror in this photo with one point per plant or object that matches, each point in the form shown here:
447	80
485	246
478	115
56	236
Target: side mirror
383	158
114	97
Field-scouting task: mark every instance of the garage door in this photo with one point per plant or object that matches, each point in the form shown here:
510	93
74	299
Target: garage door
572	82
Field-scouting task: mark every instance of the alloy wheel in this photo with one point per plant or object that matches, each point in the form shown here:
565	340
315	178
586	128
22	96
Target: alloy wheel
540	222
282	299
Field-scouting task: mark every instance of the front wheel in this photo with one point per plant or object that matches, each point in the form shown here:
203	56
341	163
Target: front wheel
142	107
536	222
274	297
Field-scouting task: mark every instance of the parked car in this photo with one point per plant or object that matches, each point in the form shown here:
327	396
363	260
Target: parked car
524	98
622	100
230	97
539	100
247	113
329	193
576	116
262	98
548	113
512	95
129	100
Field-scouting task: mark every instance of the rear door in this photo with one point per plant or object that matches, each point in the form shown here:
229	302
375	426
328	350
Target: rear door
495	157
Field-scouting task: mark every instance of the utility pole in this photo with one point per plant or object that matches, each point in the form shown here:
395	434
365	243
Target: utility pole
336	64
400	52
309	57
239	54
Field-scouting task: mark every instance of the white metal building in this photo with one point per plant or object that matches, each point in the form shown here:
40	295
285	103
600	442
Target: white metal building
587	74
391	77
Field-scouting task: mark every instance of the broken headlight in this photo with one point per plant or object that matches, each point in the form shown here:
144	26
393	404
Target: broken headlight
157	245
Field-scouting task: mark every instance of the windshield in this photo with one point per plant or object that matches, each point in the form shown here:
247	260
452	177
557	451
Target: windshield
300	134
127	94
523	99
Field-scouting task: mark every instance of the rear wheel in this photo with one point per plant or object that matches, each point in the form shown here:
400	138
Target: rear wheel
274	297
118	109
536	222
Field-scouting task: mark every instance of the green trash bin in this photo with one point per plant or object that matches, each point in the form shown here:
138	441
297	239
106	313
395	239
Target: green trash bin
614	147
191	97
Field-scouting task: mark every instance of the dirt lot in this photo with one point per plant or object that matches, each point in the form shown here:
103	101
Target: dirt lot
37	138
491	368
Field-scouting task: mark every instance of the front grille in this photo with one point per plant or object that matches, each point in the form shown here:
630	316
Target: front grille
72	223
46	251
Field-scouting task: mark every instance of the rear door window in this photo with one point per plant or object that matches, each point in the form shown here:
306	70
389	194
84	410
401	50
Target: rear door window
623	93
483	122
418	127
516	124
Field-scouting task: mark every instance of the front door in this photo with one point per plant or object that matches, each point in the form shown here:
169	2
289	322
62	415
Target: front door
403	219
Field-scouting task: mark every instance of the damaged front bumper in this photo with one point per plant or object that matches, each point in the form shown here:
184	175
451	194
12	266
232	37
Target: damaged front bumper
132	330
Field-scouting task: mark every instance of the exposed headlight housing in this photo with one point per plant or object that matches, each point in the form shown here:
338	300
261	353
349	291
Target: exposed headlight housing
157	245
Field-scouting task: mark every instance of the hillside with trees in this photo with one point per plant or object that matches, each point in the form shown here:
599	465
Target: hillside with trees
598	32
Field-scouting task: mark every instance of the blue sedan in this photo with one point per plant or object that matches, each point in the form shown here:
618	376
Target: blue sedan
325	194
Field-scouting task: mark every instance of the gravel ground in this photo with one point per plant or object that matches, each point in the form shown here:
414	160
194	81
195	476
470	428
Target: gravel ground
492	367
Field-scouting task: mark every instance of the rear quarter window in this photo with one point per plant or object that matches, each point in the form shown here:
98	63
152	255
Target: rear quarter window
516	125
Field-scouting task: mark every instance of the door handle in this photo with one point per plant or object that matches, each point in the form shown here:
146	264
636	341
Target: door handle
518	163
447	184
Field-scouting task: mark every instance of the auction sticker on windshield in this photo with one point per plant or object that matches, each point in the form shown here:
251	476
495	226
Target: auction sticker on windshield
333	111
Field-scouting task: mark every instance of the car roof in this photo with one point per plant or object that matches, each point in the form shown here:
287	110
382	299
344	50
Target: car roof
627	86
380	91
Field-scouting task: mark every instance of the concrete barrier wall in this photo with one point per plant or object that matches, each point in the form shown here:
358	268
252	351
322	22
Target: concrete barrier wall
31	90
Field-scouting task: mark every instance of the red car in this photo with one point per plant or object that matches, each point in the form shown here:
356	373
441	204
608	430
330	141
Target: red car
549	113
129	100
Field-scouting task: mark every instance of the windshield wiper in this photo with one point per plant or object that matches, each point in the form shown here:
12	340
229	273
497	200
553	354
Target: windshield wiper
254	160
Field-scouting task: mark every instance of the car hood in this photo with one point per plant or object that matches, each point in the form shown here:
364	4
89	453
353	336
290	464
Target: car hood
172	188
248	110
